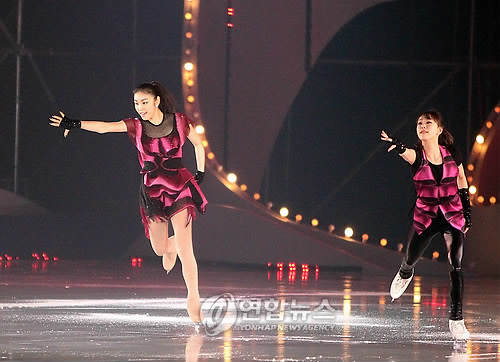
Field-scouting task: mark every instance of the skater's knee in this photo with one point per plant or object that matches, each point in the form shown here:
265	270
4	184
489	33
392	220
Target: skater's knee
159	246
159	251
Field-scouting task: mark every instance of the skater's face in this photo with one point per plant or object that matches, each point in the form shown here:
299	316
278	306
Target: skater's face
428	129
146	104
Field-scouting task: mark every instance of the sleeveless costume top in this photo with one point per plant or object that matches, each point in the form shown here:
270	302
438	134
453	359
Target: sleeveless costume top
433	195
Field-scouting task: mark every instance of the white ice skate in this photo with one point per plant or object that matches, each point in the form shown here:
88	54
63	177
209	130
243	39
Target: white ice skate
399	285
458	330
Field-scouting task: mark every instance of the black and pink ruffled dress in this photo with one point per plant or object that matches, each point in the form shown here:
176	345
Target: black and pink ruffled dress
167	187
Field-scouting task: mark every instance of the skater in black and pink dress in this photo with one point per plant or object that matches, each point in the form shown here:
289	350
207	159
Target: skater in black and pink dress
442	207
169	192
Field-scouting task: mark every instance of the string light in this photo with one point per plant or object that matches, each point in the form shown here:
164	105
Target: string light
284	212
231	177
348	232
314	222
188	66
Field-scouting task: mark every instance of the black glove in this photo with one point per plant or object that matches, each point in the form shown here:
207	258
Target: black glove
400	147
68	123
199	177
465	198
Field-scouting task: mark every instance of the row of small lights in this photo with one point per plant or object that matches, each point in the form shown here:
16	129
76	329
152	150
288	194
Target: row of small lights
480	139
192	107
34	256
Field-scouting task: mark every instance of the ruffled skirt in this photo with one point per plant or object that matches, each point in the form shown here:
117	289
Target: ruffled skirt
163	195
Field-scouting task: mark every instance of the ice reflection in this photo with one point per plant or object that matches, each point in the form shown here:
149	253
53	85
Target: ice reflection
228	345
193	347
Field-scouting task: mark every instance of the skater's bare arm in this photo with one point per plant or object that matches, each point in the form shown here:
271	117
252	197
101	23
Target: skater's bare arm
408	154
198	148
92	126
461	179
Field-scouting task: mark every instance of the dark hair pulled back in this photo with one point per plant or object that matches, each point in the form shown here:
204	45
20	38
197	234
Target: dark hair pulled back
167	99
445	138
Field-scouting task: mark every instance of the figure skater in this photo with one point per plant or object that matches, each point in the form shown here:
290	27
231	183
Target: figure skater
168	191
442	206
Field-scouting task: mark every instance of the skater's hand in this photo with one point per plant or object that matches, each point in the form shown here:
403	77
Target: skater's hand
199	177
396	144
385	137
55	121
65	122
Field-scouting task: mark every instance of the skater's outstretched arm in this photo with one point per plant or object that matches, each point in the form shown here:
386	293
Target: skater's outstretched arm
92	126
408	154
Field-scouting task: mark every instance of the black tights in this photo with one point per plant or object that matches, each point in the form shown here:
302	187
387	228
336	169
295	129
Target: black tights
454	240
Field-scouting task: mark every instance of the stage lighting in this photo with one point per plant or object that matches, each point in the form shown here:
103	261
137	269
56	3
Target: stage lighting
383	242
256	196
210	156
348	232
314	222
298	217
284	212
472	189
231	177
190	99
200	129
480	139
331	228
188	16
243	187
188	66
493	200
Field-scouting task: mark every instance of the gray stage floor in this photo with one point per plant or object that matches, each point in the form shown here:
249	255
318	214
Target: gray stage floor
113	311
